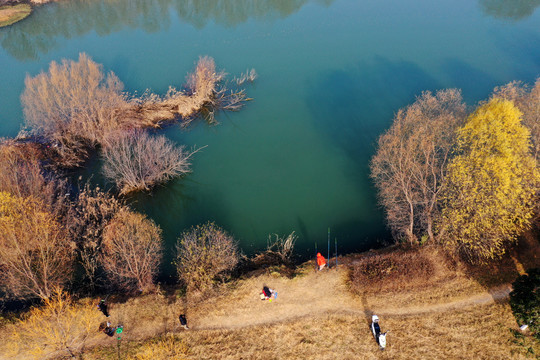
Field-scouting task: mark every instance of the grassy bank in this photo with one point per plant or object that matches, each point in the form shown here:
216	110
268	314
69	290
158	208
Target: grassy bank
434	307
10	14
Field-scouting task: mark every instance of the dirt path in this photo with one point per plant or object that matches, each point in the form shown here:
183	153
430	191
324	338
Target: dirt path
312	295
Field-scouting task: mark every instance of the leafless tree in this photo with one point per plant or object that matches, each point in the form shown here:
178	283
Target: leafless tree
22	174
527	99
91	213
73	105
36	255
136	161
410	163
205	253
132	250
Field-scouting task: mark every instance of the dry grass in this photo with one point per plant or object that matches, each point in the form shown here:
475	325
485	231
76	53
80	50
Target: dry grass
448	315
347	336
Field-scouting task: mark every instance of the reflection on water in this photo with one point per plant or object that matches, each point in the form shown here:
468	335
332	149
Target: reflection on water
509	9
38	34
354	113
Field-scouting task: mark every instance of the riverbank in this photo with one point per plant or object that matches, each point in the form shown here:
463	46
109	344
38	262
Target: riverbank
10	14
455	312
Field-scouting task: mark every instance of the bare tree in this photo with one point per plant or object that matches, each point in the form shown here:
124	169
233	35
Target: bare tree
527	99
132	250
36	255
73	106
91	213
205	253
136	161
22	174
410	163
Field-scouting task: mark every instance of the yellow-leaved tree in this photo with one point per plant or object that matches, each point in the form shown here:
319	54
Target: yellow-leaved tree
491	183
36	256
58	328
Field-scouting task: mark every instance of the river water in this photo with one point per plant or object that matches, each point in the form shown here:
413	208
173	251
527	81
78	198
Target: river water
331	75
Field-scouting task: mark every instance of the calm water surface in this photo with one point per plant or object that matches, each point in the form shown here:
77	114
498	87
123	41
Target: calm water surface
332	74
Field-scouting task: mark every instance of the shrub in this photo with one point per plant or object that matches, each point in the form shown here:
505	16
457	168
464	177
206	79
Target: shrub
22	174
525	300
279	251
75	105
136	161
390	270
205	253
132	250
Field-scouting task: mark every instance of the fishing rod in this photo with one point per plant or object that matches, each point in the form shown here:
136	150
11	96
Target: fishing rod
328	253
335	240
316	252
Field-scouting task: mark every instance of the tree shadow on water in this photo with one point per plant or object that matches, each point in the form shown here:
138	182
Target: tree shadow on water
175	208
475	83
354	106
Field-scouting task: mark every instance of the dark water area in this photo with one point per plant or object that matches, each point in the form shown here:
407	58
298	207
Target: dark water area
332	73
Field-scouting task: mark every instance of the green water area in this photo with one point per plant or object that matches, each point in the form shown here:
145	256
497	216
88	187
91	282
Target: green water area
332	73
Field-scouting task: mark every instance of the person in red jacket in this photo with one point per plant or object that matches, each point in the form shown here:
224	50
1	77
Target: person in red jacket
321	261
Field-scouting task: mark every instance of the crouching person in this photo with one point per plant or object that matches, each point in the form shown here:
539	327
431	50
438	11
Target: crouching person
268	294
183	321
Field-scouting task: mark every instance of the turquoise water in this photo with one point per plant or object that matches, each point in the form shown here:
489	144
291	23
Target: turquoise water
331	75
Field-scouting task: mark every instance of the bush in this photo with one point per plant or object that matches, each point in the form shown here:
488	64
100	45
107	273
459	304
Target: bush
132	251
390	270
279	251
205	253
136	161
525	300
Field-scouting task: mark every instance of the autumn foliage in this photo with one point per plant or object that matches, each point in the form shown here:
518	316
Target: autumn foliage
492	183
36	255
60	327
